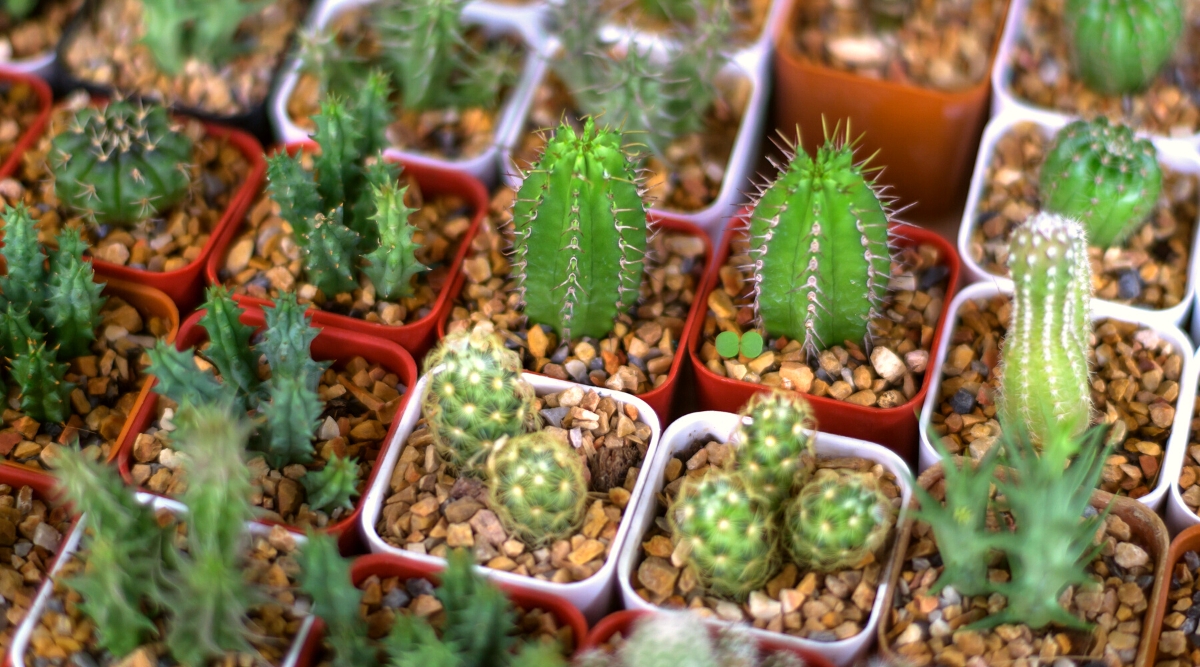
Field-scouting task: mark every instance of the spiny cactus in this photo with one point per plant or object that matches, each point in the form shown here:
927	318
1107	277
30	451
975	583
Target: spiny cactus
325	577
837	520
121	164
579	243
393	264
178	30
73	306
1102	176
536	487
24	284
476	395
17	335
45	394
732	540
333	486
776	432
230	350
820	248
179	379
1119	46
1044	356
671	638
287	339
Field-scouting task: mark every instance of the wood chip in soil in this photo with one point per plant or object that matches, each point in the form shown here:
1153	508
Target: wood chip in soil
38	33
19	107
31	532
1179	643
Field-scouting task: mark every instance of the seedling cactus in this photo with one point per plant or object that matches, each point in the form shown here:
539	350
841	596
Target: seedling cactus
536	487
837	520
1119	46
176	31
776	433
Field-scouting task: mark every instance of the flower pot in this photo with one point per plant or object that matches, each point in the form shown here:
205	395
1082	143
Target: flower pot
1179	516
719	426
39	59
1188	540
1176	443
415	337
330	344
44	97
593	595
896	427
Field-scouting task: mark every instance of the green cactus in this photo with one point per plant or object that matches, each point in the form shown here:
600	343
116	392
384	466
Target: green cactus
536	487
820	248
325	577
17	335
121	164
287	340
393	264
1102	176
230	350
74	303
333	486
19	9
24	284
1119	46
176	31
291	416
329	254
180	380
579	243
732	539
776	432
45	395
837	520
475	396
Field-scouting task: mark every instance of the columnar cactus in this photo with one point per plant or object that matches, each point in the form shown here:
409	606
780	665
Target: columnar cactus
837	520
45	394
820	247
333	486
732	540
178	30
579	239
776	452
393	264
24	283
1103	176
73	305
121	164
230	349
536	487
325	577
1119	46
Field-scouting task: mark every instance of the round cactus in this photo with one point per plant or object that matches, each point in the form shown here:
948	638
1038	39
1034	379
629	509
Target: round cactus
836	520
776	445
1119	46
121	164
476	395
732	538
1102	176
536	487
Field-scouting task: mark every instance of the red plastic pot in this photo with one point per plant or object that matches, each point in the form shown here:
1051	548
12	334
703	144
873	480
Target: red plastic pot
895	428
35	129
331	344
418	336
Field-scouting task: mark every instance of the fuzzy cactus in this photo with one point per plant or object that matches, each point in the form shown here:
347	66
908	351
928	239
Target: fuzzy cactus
820	248
393	264
325	577
1104	177
837	520
121	164
580	230
1119	46
333	486
45	394
776	432
731	539
536	487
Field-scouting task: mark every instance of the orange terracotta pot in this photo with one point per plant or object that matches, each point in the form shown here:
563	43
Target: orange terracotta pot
35	129
1188	540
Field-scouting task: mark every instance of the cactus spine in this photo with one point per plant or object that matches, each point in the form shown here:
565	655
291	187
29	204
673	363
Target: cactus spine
536	487
837	520
1102	176
1119	46
776	435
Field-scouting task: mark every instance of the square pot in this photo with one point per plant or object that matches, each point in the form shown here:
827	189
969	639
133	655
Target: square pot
45	99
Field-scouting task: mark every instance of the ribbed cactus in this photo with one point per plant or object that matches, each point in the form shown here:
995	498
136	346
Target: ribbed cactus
1119	46
536	487
325	577
1103	176
121	164
837	520
45	394
580	233
24	283
732	539
820	249
73	307
776	432
333	486
17	334
476	396
393	264
230	349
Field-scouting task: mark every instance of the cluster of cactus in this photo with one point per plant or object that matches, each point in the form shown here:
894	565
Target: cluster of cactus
776	432
350	205
678	638
47	314
121	164
177	31
1104	177
1119	46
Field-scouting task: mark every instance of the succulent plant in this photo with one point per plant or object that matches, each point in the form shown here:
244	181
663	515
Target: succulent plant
121	164
325	577
820	247
230	350
19	9
776	432
45	394
1104	177
333	486
72	309
536	487
176	31
1119	46
392	265
24	283
732	539
837	520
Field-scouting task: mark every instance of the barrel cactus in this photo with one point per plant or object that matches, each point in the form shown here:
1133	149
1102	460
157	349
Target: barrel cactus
837	520
776	436
536	487
1119	46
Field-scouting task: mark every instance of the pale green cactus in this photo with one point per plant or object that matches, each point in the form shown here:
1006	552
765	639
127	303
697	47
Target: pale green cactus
536	487
776	432
837	520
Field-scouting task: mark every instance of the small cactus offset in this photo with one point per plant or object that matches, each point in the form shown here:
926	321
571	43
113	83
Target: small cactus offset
393	264
1119	46
776	433
45	394
121	164
821	250
580	232
325	577
837	520
1104	177
536	487
334	486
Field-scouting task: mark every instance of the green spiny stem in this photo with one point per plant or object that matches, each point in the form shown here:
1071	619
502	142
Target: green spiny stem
334	486
292	416
229	341
329	255
287	342
479	616
393	264
74	303
633	95
24	284
691	78
837	520
45	395
776	432
1119	46
325	577
17	335
180	380
536	487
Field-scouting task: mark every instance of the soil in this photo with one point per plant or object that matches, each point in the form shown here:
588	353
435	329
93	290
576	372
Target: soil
748	19
635	357
31	533
1177	646
38	33
19	108
1149	270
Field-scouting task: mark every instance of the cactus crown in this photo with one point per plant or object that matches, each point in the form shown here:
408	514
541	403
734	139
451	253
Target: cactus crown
1119	46
176	31
325	577
837	520
580	234
121	164
536	487
776	432
1102	176
820	247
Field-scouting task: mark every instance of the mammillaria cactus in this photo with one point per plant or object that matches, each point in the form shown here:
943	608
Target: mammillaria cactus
837	519
333	486
121	164
536	487
776	435
1102	176
1119	46
580	229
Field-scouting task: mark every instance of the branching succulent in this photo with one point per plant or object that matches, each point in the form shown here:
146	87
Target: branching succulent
45	395
176	31
325	577
1119	46
334	486
536	487
776	432
837	520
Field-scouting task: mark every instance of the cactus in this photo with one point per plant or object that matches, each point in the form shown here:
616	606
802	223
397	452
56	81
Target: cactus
669	638
329	253
325	577
17	335
230	349
19	9
292	416
24	283
393	264
776	432
475	396
176	31
732	540
1102	176
180	380
73	306
837	520
579	234
121	164
287	339
820	249
536	487
45	395
1119	46
333	486
1044	356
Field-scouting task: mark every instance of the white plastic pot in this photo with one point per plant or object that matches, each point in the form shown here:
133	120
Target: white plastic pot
41	65
1176	443
720	425
1178	156
592	596
1179	515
